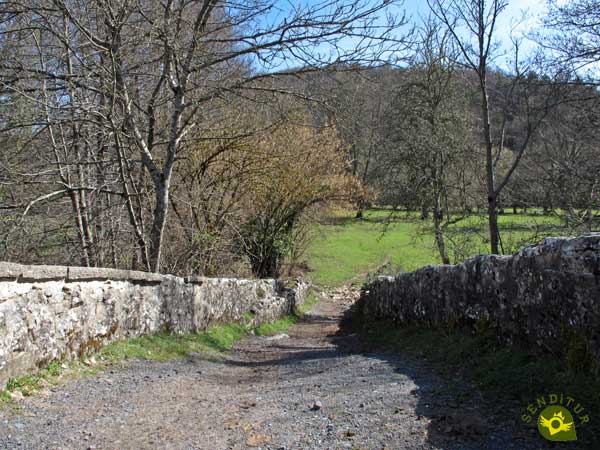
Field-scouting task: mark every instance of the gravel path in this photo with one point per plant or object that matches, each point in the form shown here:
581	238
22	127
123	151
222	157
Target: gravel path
308	390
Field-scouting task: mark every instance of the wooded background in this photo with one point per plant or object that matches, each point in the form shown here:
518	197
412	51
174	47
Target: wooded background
204	137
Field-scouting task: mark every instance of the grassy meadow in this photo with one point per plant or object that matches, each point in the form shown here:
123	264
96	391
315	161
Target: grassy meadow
345	249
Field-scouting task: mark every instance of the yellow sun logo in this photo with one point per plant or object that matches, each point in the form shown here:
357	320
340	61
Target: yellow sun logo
556	424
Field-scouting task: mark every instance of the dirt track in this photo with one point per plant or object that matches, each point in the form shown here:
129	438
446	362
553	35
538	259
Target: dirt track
312	389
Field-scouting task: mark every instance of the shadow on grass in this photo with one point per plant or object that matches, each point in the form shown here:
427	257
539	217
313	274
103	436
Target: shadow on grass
382	219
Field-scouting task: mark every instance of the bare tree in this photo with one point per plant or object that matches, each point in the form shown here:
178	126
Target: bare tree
576	38
473	24
359	102
429	138
139	77
562	167
479	19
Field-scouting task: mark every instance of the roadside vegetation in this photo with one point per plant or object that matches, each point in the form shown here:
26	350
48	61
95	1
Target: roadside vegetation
284	324
156	347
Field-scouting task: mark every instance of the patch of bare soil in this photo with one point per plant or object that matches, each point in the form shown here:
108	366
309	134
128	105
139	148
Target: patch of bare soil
308	389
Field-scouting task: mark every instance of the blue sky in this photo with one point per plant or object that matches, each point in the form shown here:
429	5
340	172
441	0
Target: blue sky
511	20
536	7
520	17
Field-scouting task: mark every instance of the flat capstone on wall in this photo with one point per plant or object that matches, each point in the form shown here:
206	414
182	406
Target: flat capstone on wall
56	312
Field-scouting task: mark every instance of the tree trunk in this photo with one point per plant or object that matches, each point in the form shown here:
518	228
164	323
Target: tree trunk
493	224
439	233
158	225
85	257
489	163
360	208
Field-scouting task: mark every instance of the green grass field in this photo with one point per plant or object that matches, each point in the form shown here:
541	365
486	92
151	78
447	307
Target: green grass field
345	249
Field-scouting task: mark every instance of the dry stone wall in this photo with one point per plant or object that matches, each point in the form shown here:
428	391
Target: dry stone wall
547	296
55	312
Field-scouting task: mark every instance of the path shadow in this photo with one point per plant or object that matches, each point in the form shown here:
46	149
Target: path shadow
293	358
460	418
457	419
